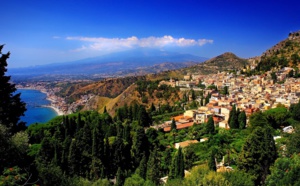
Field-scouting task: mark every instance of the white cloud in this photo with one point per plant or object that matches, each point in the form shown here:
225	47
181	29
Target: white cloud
112	44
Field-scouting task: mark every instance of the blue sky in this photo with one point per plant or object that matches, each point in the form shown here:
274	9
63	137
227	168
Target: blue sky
39	32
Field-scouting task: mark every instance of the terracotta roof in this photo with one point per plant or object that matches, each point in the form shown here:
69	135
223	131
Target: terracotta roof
180	126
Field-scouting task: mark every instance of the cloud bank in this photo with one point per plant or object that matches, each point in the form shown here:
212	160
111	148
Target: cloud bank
110	44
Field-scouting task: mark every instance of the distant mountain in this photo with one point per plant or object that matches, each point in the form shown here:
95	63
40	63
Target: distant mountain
223	62
227	60
120	64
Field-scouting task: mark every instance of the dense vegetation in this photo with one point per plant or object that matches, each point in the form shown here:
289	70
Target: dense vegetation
88	148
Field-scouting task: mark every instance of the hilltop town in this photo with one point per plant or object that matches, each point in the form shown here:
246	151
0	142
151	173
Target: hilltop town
249	94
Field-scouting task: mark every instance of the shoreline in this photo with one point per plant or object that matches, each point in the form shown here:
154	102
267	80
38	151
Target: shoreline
57	110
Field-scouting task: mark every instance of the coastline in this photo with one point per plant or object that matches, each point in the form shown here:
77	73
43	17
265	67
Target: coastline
56	109
58	112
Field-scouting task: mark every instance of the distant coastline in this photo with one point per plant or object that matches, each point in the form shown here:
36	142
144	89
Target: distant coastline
57	110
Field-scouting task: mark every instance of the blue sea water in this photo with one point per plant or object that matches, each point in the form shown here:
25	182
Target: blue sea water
35	104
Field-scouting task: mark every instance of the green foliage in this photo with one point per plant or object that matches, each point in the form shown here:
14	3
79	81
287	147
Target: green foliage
277	117
173	124
242	119
274	77
211	161
153	167
285	171
11	108
177	166
134	180
258	119
295	111
258	154
210	126
238	178
293	142
14	176
233	118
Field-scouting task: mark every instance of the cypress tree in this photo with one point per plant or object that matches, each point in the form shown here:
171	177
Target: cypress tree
212	161
142	169
233	121
242	120
210	126
153	167
143	117
140	145
120	177
173	124
177	167
72	159
11	107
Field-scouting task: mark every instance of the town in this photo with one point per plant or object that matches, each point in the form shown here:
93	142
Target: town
249	94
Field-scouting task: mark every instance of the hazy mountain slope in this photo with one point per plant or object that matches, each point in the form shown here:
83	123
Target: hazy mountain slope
116	64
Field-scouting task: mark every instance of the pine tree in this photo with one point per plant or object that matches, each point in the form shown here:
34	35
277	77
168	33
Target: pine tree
11	107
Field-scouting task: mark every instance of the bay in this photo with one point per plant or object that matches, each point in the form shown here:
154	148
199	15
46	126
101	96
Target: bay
36	104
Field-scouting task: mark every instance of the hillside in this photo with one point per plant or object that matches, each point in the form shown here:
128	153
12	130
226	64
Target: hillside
156	95
223	62
110	88
284	53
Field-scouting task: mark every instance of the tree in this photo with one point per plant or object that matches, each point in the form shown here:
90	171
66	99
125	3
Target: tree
142	169
11	108
274	76
177	167
134	180
210	126
173	124
143	117
153	167
242	118
258	154
120	177
233	118
139	146
225	91
286	171
295	111
211	161
193	94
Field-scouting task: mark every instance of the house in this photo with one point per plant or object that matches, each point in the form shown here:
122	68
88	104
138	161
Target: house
180	126
185	143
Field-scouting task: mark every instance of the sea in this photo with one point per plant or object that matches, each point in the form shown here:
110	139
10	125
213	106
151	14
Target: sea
36	104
